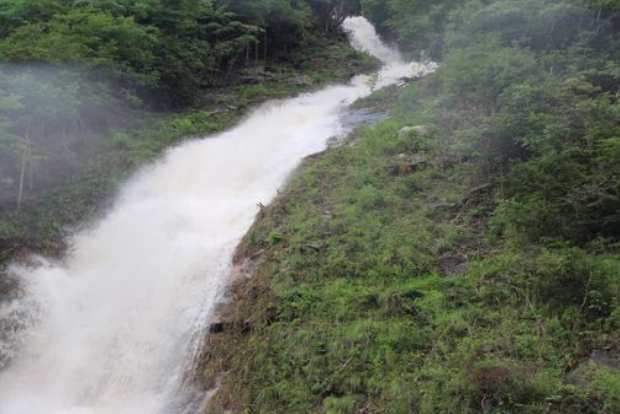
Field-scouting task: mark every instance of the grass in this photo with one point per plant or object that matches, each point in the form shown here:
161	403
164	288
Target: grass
379	290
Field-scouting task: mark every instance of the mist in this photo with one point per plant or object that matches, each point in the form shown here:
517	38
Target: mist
53	120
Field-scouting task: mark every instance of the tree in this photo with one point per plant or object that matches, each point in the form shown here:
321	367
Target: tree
38	103
9	141
15	13
330	14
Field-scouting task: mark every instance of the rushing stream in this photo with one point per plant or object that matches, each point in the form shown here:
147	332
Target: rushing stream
113	328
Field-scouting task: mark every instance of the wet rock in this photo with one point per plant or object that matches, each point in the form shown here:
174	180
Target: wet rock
335	141
216	327
245	268
408	79
219	326
367	117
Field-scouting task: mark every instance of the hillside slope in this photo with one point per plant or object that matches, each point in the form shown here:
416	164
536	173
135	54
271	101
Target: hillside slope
461	257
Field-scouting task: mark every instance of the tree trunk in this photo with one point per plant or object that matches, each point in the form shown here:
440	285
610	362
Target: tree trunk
30	177
22	173
22	177
256	47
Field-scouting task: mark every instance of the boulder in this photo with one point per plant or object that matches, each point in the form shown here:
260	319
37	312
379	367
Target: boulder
418	129
407	164
334	141
219	325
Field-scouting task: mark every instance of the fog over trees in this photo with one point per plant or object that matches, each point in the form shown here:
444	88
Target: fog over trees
71	70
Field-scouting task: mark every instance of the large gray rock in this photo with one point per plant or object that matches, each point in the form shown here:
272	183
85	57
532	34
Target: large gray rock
418	129
407	164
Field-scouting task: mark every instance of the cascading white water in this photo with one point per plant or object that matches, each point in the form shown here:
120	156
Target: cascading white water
115	324
363	36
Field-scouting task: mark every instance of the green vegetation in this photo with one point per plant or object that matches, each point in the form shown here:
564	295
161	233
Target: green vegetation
471	265
118	152
90	90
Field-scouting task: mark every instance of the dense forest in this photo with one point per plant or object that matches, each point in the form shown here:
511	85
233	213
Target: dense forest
91	89
529	93
462	257
70	68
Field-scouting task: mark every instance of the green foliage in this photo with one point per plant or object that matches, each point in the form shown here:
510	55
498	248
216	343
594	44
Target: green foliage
341	405
74	74
484	281
75	158
159	44
418	24
366	317
540	25
477	77
527	92
275	237
89	38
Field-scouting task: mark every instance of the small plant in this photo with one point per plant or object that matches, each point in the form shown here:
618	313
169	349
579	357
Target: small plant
339	405
275	237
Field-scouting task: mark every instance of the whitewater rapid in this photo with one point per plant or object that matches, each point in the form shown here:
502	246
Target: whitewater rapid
114	326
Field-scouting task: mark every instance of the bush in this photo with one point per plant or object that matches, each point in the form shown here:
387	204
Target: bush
572	278
339	405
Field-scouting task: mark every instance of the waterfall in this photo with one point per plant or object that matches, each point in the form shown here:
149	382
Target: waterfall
113	326
363	36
